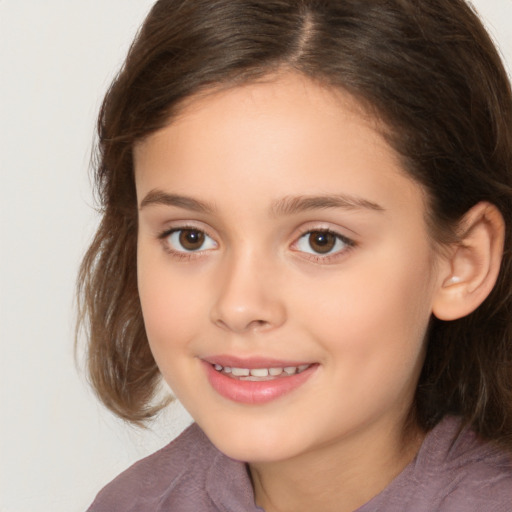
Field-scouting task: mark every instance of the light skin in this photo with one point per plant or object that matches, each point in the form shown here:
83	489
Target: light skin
306	242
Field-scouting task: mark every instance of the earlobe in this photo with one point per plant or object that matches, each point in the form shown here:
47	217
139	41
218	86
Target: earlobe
474	263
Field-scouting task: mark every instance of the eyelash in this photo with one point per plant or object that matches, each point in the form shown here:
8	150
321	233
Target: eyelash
349	245
182	255
186	255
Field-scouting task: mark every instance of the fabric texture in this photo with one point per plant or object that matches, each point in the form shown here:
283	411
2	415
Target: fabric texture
451	473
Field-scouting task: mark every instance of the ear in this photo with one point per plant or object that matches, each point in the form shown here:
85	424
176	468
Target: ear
471	270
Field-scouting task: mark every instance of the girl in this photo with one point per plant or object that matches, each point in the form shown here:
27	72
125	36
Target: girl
307	231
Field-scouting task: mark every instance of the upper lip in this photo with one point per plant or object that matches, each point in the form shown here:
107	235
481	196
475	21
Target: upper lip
252	362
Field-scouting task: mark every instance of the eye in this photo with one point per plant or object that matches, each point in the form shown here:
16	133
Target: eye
189	240
322	242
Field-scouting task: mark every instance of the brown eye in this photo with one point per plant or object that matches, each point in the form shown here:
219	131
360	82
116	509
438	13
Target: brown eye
188	240
191	239
322	242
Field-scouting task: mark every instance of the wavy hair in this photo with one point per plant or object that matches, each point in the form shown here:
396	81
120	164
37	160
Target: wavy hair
426	68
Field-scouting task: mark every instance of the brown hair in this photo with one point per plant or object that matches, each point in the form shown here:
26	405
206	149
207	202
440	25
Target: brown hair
427	68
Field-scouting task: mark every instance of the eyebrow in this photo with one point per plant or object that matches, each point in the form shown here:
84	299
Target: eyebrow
295	204
158	197
285	206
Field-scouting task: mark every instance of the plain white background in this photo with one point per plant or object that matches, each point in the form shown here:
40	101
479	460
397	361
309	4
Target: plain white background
57	57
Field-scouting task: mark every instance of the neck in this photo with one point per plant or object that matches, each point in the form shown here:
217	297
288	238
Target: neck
340	476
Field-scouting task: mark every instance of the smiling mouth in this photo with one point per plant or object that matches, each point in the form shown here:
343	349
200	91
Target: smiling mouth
256	381
260	374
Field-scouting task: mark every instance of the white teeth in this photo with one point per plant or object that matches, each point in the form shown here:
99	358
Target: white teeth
240	372
259	372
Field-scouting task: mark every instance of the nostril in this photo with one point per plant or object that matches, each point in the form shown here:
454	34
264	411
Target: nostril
244	310
221	324
253	325
257	324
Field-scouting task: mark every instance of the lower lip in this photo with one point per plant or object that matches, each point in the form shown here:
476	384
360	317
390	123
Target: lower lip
255	392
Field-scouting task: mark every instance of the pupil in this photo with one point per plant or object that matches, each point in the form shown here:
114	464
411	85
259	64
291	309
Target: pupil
191	239
322	242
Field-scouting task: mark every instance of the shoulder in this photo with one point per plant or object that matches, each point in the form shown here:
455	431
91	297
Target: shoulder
461	472
469	473
454	471
173	473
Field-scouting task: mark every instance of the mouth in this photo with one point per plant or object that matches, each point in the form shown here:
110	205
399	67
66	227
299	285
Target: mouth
260	374
256	381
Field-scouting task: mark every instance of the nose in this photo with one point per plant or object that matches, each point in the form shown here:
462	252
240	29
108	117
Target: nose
248	295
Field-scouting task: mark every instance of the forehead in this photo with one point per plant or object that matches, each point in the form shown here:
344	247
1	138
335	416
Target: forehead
287	133
269	100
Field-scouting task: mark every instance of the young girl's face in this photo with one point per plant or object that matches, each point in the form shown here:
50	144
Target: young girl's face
285	271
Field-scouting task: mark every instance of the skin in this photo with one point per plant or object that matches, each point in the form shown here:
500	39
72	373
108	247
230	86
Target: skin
256	288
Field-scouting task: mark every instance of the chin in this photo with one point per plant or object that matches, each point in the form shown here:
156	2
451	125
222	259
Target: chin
252	442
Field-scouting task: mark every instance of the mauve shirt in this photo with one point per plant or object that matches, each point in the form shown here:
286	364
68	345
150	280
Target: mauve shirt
449	474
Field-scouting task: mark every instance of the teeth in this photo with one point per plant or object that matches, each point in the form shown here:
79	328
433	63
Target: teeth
240	372
261	372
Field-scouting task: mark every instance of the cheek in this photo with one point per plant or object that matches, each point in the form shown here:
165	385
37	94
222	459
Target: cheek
375	315
170	307
169	301
373	342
